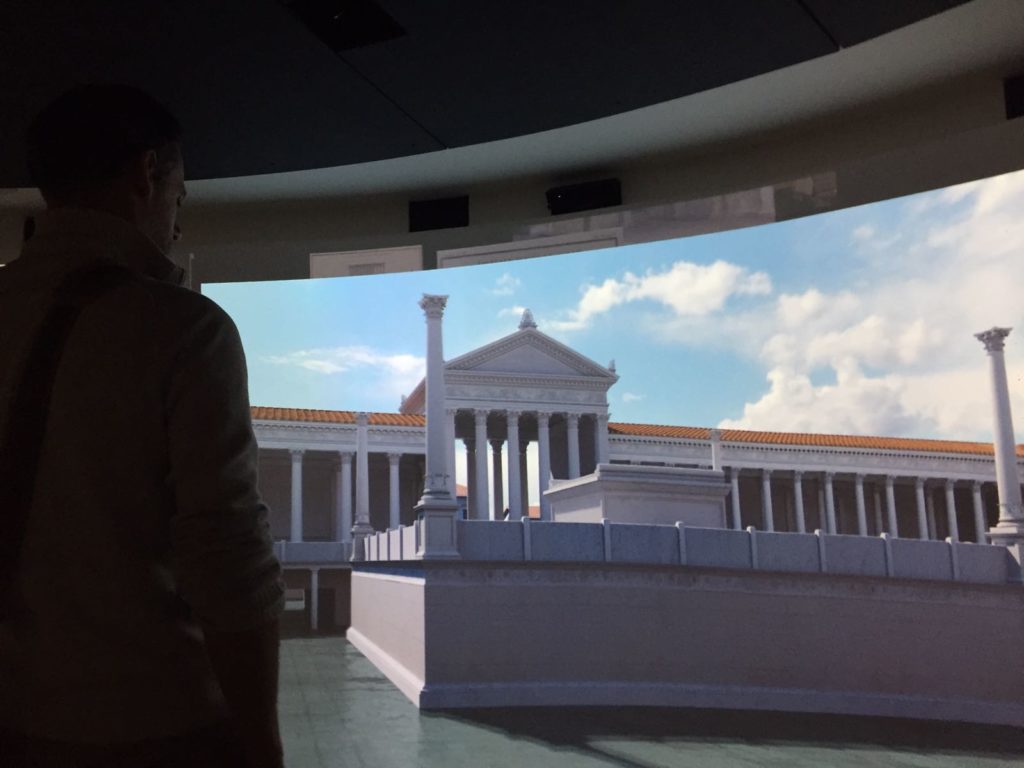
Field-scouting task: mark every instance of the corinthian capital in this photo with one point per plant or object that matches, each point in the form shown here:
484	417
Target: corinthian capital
993	338
433	305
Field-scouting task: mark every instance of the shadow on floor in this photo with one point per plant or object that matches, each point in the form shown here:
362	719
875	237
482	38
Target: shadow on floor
578	727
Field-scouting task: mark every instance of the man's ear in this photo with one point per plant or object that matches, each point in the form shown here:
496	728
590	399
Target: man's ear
142	173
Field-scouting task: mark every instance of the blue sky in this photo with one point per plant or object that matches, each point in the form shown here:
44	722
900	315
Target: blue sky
858	321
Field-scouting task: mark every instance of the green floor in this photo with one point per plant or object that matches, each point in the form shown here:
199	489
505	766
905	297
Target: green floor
337	710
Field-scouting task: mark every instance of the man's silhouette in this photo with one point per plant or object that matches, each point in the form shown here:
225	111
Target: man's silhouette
148	590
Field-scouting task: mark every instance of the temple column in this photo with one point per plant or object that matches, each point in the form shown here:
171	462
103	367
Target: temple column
922	512
716	449
862	517
515	505
878	508
1009	530
601	447
734	481
343	486
798	501
766	500
979	513
314	599
296	531
890	505
544	458
954	528
471	503
437	508
524	478
482	489
449	452
362	527
394	513
830	503
499	491
573	440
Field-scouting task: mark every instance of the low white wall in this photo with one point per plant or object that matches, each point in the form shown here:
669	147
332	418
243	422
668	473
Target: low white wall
648	635
883	557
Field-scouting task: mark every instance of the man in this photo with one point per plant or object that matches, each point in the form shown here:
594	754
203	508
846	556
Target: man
151	594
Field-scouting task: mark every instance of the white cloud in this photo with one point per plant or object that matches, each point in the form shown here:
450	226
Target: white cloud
898	351
514	311
398	372
688	289
631	397
864	232
506	285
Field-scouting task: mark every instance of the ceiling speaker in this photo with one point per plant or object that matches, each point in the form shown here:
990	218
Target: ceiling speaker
443	213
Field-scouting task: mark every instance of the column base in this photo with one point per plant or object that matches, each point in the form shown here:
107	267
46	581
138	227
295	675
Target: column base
437	513
360	533
1010	534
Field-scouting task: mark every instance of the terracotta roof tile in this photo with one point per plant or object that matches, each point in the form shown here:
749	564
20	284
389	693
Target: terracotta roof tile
660	430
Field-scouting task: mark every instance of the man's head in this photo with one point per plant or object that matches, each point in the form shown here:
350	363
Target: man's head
112	148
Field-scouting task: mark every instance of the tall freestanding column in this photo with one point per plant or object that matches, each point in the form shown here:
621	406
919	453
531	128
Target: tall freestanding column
573	440
830	503
544	458
344	488
437	509
499	491
394	513
1010	528
954	529
483	493
979	513
922	509
862	517
798	500
515	490
766	500
362	527
296	532
890	506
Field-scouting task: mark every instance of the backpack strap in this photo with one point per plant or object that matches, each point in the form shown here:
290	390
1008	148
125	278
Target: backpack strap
21	444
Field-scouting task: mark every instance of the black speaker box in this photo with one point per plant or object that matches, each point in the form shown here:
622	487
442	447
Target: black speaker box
584	197
443	213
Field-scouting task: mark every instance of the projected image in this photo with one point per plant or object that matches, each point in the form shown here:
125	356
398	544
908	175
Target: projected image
854	323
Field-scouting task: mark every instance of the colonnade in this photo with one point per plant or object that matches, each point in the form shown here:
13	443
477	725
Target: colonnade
512	442
881	486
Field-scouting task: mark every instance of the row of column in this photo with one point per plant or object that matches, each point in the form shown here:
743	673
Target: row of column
477	474
344	523
924	505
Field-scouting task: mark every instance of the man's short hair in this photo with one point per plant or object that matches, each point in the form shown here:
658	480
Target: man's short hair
89	134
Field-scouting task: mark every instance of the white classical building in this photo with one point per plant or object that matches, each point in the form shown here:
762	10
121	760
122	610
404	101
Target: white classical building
324	473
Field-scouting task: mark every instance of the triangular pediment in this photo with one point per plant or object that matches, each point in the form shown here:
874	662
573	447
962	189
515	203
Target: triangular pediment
529	352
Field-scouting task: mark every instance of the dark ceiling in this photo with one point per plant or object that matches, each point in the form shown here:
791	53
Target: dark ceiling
263	86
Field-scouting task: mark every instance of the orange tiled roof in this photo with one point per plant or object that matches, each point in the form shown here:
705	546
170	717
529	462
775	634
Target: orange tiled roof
660	430
805	438
335	417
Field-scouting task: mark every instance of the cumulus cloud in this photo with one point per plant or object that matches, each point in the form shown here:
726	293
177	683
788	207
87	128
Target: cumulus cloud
400	371
506	285
632	397
688	289
896	355
513	311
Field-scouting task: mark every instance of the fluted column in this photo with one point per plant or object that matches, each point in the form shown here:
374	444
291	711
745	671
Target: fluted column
979	513
296	531
922	512
601	439
862	515
499	491
344	489
798	500
449	424
544	459
1010	528
482	490
573	440
362	527
766	500
524	478
954	528
437	508
734	482
830	503
515	504
394	513
890	506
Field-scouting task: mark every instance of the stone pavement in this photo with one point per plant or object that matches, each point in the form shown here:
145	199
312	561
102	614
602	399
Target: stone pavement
337	710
